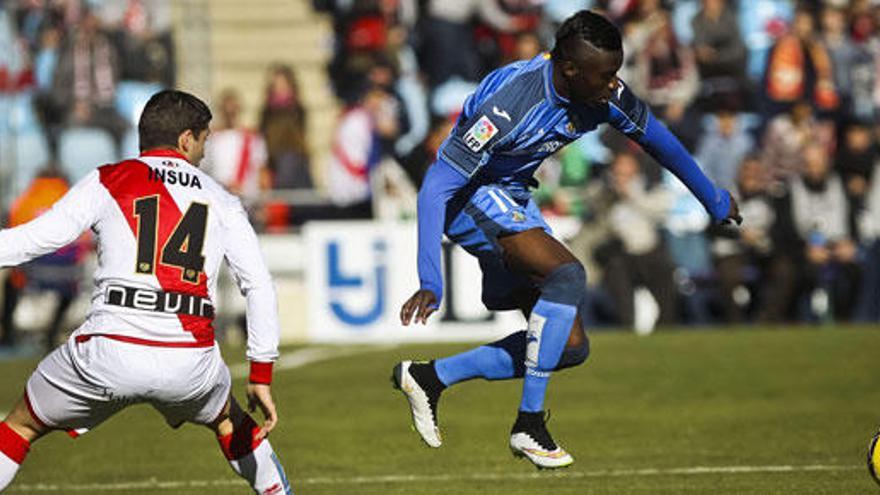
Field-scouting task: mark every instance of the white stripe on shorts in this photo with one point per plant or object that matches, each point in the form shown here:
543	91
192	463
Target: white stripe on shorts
501	204
504	195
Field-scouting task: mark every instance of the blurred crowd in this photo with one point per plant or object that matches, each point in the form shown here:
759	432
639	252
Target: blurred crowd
777	99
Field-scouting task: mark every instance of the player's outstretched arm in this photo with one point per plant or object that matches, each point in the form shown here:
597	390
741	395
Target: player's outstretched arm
73	214
259	395
440	184
631	116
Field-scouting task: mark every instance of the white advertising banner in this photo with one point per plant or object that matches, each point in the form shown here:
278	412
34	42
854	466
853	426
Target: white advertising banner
360	273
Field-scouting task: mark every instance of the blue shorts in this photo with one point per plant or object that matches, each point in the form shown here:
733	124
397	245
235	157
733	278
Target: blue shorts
476	224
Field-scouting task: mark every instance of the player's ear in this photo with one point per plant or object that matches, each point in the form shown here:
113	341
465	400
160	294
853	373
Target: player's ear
569	70
185	140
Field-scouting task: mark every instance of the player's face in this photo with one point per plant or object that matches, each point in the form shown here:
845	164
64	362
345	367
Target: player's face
592	75
194	147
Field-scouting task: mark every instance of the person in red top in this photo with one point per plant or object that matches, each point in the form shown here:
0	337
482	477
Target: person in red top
163	229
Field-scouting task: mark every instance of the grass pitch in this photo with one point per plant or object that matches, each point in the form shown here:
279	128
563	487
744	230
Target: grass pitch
720	411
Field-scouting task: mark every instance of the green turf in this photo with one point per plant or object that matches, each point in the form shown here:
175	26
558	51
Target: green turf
673	400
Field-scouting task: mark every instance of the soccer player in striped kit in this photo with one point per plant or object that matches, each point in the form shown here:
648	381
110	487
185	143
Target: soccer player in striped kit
163	228
477	192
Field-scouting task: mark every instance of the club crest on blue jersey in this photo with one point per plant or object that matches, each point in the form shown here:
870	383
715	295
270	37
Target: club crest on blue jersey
517	216
480	133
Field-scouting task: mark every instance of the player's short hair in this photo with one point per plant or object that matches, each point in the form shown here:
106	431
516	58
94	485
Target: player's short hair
167	115
586	26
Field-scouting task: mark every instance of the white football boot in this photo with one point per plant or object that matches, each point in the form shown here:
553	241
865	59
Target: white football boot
530	439
419	383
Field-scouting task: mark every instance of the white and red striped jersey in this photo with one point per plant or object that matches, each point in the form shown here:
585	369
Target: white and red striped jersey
163	228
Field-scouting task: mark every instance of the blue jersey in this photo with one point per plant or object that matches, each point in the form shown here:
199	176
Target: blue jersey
511	123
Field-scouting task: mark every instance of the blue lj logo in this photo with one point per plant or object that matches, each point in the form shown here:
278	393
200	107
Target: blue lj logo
344	283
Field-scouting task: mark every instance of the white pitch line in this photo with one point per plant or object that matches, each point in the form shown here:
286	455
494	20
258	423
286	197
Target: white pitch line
310	355
154	484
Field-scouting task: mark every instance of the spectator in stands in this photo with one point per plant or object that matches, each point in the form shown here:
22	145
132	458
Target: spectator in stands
800	68
45	65
383	75
410	90
787	136
283	126
724	145
356	151
863	68
364	30
869	304
58	272
634	255
819	242
742	260
143	39
836	41
417	162
660	69
528	46
235	155
84	85
46	54
449	49
856	157
15	63
720	52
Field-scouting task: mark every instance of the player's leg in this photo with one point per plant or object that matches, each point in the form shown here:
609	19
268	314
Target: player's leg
65	392
553	327
505	358
423	382
17	432
251	458
201	395
484	225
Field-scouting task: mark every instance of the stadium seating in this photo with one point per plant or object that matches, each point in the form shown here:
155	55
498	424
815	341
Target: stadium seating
81	149
132	96
22	143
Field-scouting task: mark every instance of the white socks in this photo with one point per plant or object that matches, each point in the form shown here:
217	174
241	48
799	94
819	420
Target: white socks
263	471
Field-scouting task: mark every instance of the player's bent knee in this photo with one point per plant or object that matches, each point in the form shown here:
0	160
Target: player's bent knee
574	356
566	284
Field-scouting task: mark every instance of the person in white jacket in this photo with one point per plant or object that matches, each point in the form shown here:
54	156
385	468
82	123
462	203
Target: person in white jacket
163	227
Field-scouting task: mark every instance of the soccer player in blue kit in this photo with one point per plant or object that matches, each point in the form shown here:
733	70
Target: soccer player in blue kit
477	192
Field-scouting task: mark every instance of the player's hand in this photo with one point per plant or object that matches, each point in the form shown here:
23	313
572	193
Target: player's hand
260	395
733	215
422	304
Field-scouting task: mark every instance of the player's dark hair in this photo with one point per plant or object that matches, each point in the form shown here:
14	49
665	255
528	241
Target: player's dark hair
586	26
167	115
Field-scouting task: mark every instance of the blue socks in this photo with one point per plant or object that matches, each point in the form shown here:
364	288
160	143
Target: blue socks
549	327
499	360
531	354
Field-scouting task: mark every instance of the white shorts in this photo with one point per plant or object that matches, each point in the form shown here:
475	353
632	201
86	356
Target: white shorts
81	384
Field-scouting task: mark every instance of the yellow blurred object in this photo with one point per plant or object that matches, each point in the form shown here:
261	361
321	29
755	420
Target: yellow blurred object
874	458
